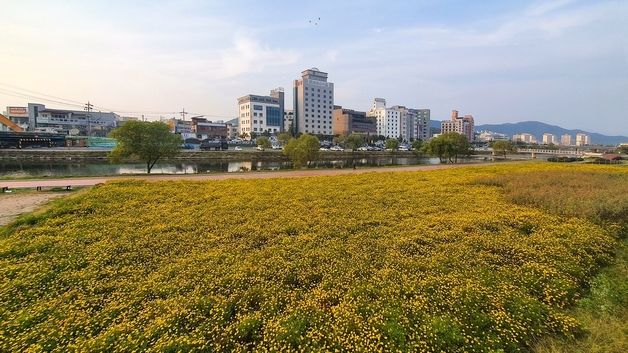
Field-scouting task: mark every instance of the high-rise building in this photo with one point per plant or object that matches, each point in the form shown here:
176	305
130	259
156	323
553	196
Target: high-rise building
347	121
582	139
461	125
549	139
288	120
524	137
400	122
388	119
258	114
565	140
313	103
414	123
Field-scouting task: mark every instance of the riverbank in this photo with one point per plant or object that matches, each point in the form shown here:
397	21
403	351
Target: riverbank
90	181
89	155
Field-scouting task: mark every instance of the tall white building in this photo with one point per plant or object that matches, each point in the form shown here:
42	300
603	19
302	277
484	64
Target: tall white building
550	139
313	103
388	120
524	137
565	140
414	123
582	139
258	114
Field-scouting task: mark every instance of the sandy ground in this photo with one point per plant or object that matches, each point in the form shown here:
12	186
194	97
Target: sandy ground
13	205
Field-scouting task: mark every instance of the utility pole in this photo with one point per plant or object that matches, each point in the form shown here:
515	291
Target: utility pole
88	108
183	113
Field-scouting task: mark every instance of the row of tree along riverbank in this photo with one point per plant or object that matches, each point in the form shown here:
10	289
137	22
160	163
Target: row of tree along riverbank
86	155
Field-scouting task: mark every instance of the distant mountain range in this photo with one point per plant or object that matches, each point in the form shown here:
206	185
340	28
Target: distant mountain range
538	128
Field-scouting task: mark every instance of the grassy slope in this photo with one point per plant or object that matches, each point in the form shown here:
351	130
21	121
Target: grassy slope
603	312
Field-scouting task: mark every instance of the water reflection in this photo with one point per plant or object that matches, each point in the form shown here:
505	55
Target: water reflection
48	168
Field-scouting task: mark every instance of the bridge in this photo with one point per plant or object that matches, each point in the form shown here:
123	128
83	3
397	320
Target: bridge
559	152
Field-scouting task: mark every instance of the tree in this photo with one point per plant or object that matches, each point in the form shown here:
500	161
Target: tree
392	144
622	149
448	147
503	147
355	141
417	146
146	141
263	142
283	138
302	150
253	135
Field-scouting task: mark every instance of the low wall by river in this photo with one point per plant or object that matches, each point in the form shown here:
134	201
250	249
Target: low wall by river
86	155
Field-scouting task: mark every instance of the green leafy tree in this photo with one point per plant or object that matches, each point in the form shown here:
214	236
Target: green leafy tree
355	141
392	144
448	147
263	142
622	149
253	135
302	150
283	138
503	147
146	141
417	145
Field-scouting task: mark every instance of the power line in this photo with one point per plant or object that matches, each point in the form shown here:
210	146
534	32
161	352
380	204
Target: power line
72	103
39	93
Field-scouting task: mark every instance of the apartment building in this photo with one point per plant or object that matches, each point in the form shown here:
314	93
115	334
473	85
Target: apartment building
549	139
461	125
388	120
565	140
524	137
582	139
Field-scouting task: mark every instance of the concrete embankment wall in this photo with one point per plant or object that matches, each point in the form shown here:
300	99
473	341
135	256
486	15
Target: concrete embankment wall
86	155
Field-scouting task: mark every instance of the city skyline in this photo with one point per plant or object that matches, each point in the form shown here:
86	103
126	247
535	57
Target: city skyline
561	62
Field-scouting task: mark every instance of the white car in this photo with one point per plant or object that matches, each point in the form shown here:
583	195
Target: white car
237	148
363	148
336	148
260	148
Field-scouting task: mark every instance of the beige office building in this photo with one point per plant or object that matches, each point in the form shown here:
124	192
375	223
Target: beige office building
313	103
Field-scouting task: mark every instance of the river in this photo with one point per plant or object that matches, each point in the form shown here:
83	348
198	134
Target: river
17	169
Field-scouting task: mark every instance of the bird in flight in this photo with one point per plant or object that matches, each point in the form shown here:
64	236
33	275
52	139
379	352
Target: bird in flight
315	22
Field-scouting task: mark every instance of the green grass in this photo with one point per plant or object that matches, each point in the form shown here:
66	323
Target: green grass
601	198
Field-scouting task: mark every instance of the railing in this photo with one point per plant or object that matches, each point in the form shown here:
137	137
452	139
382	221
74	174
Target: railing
554	152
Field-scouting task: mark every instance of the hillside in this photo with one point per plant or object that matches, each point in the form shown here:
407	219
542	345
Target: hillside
538	128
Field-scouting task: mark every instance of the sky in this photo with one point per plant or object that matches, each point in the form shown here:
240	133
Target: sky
563	62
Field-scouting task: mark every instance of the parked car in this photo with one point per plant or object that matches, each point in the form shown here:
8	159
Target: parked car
276	146
207	145
237	148
363	148
323	149
259	148
336	148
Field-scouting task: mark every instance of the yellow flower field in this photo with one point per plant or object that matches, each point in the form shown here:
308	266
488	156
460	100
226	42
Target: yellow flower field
416	261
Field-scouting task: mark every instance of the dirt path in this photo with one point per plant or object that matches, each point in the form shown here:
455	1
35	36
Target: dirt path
13	205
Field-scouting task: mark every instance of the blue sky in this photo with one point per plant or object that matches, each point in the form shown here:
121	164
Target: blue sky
563	62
